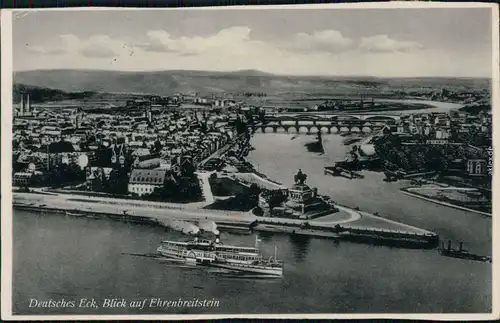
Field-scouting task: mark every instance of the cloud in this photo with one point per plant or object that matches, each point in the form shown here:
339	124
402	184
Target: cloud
57	47
158	41
46	51
96	46
321	52
231	42
101	46
226	39
384	44
330	41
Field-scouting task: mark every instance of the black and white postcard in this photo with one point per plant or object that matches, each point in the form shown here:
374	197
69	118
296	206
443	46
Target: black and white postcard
299	161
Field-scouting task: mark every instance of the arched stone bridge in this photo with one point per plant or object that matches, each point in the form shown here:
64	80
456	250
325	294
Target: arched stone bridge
325	123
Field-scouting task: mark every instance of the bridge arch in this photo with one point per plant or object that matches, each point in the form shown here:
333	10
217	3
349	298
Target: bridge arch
303	129
366	129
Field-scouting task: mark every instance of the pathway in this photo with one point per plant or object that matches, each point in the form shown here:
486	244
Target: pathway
203	177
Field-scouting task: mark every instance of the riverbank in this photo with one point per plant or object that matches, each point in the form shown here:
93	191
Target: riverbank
423	193
396	107
405	106
353	227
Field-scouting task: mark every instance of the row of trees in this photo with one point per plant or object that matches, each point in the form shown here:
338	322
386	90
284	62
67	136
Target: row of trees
420	156
59	175
186	189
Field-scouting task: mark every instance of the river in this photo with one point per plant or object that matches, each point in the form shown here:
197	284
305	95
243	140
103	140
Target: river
63	257
436	106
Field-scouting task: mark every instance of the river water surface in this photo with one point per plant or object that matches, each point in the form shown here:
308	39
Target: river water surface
59	257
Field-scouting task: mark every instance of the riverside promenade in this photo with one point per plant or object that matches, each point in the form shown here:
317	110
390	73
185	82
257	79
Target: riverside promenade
355	223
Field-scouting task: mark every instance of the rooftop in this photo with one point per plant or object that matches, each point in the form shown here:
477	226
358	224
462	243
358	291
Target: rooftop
148	176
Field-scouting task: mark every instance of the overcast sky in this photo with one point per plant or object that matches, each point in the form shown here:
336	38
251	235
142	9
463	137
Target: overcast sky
367	42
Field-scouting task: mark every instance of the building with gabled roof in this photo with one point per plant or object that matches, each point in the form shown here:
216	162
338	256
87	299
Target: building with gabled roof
145	181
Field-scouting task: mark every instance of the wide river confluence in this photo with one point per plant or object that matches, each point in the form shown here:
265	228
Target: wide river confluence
56	257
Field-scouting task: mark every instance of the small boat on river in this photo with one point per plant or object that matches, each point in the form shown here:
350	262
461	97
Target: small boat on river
461	253
76	214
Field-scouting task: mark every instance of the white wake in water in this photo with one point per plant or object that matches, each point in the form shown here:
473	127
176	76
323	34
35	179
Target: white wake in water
181	226
208	226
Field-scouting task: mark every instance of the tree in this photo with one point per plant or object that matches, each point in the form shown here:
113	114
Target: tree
118	181
103	157
275	198
61	147
253	193
54	176
254	189
188	169
158	146
258	211
37	180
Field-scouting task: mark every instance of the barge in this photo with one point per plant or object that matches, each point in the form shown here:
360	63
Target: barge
461	253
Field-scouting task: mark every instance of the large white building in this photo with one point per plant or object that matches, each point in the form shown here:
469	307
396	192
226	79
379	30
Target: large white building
145	181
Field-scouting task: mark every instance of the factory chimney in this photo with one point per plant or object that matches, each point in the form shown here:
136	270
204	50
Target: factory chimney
21	109
28	105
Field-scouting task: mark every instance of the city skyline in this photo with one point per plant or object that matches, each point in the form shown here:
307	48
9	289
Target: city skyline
392	43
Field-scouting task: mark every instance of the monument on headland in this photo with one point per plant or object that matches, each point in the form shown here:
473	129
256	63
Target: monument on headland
300	201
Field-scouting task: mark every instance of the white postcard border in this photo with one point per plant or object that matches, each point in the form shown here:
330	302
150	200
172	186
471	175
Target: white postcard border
6	19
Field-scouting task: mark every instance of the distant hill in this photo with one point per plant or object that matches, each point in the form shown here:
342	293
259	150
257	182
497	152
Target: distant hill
203	82
40	94
250	73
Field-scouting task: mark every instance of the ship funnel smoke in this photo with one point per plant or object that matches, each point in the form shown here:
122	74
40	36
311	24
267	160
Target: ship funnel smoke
181	226
209	226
